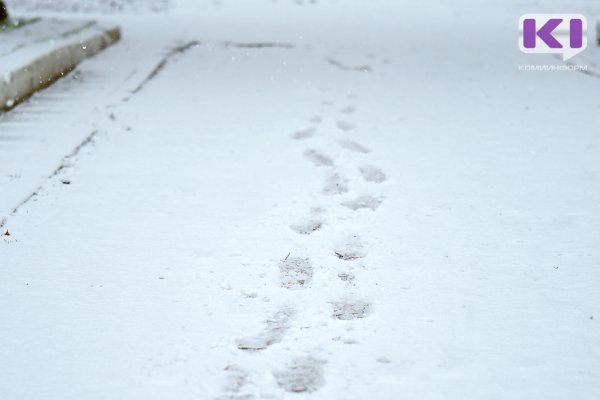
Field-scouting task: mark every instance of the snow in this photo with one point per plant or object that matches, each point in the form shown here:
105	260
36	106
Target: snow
297	200
20	46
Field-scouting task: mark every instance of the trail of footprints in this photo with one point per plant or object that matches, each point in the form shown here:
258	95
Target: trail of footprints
305	374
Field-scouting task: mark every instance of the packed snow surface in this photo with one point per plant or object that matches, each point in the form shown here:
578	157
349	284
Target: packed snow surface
304	200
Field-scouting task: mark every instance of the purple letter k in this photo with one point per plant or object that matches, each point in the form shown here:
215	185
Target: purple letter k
545	33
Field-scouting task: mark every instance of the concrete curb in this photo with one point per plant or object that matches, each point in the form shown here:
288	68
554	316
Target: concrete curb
46	69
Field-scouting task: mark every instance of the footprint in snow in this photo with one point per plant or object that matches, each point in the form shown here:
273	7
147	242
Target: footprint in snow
353	146
371	173
344	67
313	224
352	248
347	277
295	272
335	184
237	379
346	125
308	227
317	119
318	159
304	133
365	201
345	340
348	110
275	328
347	310
303	374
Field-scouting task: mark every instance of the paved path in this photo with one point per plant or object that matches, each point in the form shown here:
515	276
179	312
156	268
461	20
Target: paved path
250	206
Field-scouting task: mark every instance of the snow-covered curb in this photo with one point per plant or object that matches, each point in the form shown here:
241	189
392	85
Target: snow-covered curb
47	68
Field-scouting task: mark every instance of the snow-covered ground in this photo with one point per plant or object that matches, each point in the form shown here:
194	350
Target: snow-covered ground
305	200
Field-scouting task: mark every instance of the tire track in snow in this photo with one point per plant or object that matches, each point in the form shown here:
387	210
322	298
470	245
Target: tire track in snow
65	164
155	72
67	159
184	48
162	64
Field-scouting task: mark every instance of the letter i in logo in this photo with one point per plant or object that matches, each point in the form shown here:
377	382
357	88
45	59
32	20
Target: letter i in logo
564	34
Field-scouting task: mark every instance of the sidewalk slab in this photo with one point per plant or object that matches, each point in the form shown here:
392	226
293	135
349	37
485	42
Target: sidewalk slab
35	52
